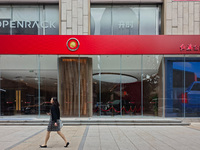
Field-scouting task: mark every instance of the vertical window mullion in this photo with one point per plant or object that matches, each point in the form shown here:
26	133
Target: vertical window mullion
121	85
43	18
142	75
11	19
38	85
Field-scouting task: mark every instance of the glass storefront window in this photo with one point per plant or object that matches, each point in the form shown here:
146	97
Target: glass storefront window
152	83
29	20
51	16
182	82
47	81
131	89
27	84
101	85
129	85
101	23
5	16
18	83
108	83
25	23
174	86
125	20
149	20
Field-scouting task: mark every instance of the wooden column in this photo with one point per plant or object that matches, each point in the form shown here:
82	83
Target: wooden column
69	86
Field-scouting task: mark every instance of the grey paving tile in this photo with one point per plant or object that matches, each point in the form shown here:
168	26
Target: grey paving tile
105	138
13	135
166	139
92	143
135	138
121	139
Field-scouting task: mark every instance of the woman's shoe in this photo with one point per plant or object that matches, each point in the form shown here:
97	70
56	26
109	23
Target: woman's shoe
43	146
66	144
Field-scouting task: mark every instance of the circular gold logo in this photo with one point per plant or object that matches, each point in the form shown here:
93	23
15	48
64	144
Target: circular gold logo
73	44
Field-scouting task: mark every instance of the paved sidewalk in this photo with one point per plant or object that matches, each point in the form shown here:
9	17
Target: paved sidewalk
104	137
11	136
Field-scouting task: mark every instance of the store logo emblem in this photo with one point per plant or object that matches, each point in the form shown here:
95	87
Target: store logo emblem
189	47
73	44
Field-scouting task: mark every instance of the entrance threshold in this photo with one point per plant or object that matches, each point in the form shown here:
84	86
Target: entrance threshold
71	121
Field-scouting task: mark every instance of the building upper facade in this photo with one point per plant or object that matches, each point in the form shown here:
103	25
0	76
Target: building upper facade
177	17
181	17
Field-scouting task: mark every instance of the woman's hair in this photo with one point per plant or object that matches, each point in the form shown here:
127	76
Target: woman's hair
55	101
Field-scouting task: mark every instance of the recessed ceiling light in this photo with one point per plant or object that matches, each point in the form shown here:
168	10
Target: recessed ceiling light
115	78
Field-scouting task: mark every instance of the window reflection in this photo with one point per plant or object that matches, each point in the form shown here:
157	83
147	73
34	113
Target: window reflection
183	87
24	88
27	20
125	20
115	94
123	85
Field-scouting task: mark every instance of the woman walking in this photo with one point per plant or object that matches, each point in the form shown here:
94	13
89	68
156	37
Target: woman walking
54	123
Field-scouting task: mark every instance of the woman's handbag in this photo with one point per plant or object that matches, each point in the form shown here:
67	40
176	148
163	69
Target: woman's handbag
61	124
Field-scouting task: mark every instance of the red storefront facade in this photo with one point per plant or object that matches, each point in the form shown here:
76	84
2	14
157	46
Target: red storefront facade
151	87
100	58
101	45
